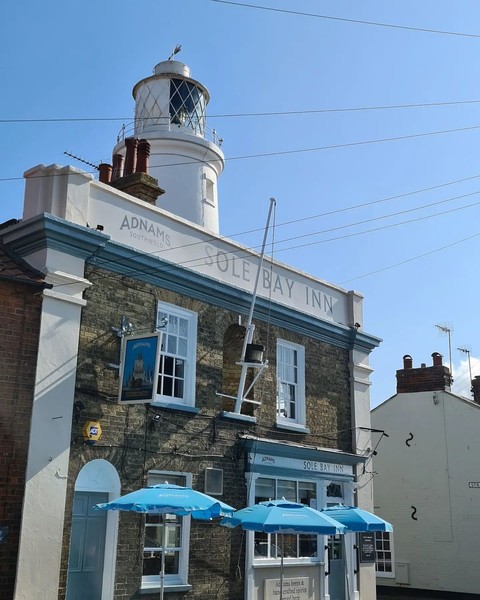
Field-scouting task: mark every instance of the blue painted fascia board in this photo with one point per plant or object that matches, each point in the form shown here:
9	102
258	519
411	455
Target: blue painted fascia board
301	452
294	473
156	271
49	231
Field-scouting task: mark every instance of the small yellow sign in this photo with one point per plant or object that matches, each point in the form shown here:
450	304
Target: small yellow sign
92	431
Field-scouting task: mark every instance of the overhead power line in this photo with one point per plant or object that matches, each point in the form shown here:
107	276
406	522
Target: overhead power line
344	109
381	217
277	113
355	234
352	144
244	252
408	260
348	20
372	202
311	217
296	151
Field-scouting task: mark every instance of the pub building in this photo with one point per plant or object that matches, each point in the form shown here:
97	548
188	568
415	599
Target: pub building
256	388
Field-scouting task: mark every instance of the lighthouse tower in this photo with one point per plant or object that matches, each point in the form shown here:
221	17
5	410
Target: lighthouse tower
170	113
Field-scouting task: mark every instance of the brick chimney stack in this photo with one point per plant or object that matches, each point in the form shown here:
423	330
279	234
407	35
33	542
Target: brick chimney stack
424	379
132	175
476	389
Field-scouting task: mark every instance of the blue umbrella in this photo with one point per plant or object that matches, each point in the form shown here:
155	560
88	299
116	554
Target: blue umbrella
166	498
357	519
283	516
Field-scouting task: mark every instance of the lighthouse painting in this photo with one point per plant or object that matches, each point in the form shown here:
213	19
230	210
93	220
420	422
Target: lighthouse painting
139	369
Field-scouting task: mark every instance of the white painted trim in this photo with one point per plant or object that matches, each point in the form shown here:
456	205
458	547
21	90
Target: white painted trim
66	287
64	297
300	385
151	583
191	358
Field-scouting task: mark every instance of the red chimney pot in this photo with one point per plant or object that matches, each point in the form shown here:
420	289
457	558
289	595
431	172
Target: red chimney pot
104	173
143	154
117	162
131	155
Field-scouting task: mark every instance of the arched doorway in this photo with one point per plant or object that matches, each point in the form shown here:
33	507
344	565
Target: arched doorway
93	540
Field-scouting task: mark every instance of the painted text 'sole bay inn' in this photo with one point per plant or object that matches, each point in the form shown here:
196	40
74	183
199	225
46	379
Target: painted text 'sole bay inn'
139	252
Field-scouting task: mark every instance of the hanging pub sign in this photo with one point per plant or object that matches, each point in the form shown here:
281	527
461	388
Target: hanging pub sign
139	368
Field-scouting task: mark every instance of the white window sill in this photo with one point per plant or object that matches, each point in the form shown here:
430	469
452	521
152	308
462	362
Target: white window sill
169	588
292	427
238	417
175	406
265	563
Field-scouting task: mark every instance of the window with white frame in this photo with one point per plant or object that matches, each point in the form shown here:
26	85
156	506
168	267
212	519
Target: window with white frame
384	561
290	383
176	371
169	534
267	545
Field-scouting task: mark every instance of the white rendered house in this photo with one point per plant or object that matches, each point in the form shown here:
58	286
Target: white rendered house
427	483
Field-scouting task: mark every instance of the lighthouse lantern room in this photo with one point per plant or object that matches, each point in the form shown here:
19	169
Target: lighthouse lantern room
185	157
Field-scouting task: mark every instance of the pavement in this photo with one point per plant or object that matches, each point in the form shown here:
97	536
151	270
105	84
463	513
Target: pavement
409	594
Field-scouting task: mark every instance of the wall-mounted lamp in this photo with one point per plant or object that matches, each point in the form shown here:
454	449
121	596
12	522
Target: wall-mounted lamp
156	418
126	328
163	323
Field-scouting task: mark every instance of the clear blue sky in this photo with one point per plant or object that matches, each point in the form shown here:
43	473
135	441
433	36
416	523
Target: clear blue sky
81	60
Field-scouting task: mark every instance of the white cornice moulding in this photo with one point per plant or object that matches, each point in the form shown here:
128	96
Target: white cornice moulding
71	287
65	297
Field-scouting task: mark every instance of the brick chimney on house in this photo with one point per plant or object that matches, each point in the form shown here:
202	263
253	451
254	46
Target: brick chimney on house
132	175
424	379
476	389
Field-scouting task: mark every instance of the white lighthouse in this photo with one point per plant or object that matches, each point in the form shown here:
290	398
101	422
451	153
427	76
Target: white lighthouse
170	113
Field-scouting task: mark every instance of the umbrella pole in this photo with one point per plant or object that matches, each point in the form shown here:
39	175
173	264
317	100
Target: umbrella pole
281	570
162	571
